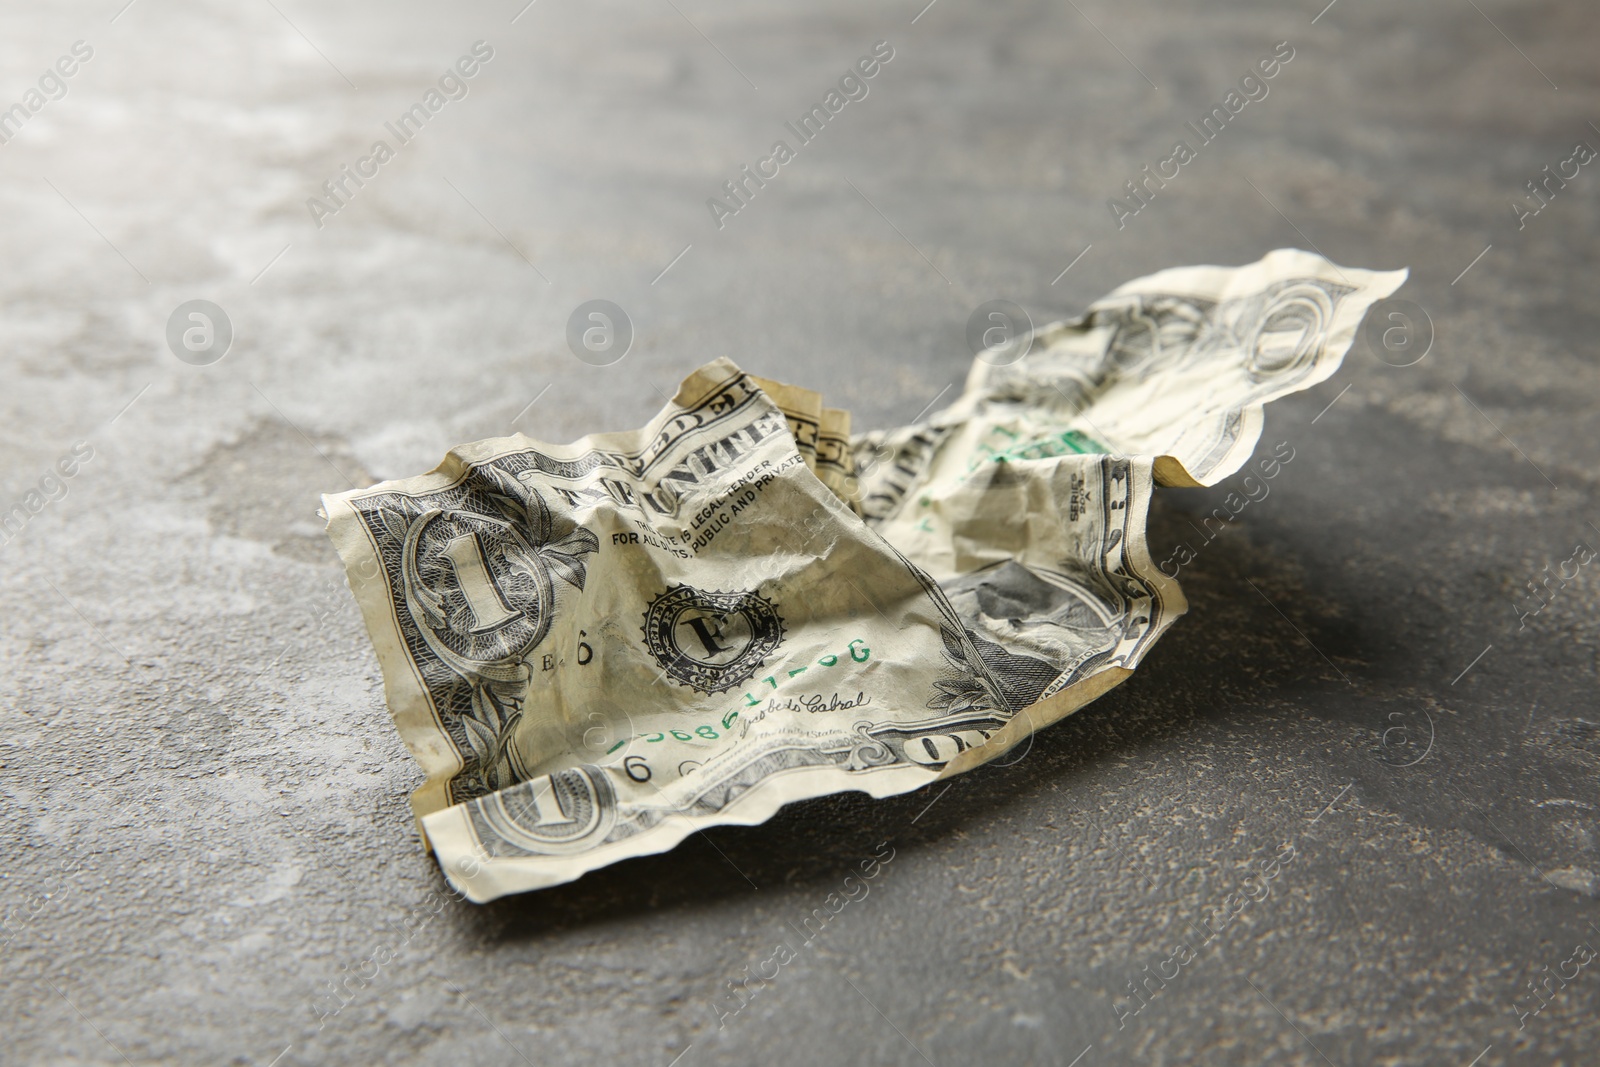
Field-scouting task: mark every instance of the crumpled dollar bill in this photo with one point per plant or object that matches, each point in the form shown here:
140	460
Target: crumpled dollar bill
596	649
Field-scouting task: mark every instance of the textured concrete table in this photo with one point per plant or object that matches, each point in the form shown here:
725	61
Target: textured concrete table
205	820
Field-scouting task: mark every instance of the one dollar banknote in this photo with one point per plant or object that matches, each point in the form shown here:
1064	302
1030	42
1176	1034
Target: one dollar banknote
596	649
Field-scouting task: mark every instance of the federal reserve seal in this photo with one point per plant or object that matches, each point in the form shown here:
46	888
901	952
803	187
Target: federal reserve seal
711	641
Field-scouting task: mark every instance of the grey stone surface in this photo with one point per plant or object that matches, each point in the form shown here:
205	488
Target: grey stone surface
204	805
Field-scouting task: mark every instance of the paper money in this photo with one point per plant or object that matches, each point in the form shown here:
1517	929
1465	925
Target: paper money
1175	367
596	649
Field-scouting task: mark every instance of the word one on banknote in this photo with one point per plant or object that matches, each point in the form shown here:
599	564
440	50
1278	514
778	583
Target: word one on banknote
595	649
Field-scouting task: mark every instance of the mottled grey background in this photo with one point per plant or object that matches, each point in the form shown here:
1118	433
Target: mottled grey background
205	816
